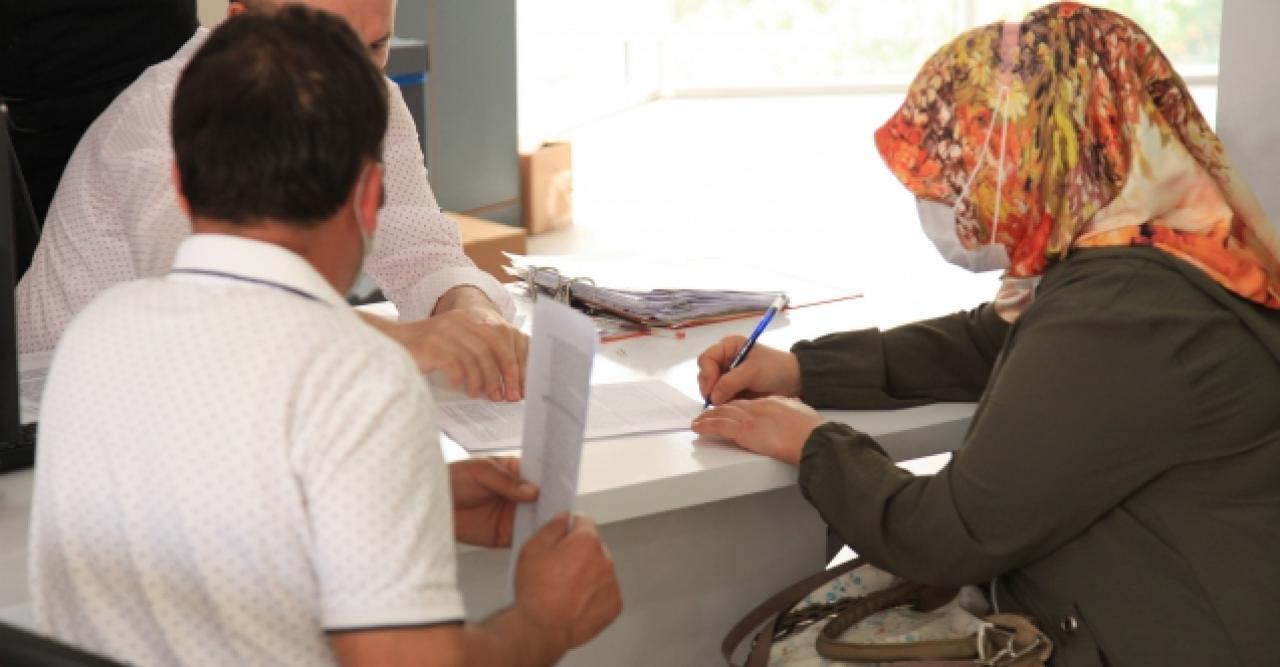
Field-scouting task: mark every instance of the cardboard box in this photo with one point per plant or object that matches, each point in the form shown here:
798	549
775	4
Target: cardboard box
546	187
484	242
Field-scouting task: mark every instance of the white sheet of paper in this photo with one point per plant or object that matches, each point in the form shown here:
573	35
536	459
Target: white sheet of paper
623	408
557	390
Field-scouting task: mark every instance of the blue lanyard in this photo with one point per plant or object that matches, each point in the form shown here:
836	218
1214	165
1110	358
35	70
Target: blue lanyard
247	279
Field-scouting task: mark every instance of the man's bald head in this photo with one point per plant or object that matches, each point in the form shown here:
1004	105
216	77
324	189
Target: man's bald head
373	20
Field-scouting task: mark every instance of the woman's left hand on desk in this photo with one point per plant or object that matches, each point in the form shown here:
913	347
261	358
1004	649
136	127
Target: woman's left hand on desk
776	427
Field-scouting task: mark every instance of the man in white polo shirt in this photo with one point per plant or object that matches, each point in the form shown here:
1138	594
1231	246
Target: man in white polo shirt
114	218
236	470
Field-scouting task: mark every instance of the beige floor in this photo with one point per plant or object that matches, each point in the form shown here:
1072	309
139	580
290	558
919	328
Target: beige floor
746	173
754	175
795	180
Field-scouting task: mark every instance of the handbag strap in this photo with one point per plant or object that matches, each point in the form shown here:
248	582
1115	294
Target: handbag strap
769	610
907	593
1006	640
1013	640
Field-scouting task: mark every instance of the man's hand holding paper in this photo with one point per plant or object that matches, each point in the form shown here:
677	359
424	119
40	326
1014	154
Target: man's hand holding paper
485	494
565	583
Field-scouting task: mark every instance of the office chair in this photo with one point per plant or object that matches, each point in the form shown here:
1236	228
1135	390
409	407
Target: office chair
26	228
19	647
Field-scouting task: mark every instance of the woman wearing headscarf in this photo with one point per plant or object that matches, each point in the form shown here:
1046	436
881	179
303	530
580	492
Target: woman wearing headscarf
1120	479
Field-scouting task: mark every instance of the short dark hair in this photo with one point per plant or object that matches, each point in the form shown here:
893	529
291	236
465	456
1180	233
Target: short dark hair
274	117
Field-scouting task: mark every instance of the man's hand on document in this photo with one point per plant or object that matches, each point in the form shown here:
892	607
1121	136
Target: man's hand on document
476	348
485	494
467	340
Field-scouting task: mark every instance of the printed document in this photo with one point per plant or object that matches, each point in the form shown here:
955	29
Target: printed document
561	350
624	408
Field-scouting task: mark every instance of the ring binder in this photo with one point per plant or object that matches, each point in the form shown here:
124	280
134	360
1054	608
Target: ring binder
566	289
670	308
559	286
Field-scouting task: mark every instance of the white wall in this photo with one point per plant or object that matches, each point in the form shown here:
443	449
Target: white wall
579	60
1249	96
211	11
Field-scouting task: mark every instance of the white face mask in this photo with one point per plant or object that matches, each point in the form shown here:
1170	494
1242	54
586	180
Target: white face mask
939	221
366	236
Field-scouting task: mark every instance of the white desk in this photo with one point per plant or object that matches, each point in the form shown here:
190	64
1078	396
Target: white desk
700	531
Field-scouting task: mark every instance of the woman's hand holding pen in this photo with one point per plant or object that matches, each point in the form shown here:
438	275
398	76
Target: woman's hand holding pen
764	372
756	403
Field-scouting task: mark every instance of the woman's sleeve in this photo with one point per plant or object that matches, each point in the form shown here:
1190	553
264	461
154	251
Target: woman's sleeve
947	358
1081	414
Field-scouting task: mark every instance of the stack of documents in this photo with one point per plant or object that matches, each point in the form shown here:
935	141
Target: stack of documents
652	308
625	408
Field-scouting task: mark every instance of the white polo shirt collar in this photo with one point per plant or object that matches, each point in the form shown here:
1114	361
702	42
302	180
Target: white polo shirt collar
221	257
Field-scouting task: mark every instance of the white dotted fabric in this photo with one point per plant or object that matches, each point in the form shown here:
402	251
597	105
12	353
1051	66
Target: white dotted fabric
115	216
228	469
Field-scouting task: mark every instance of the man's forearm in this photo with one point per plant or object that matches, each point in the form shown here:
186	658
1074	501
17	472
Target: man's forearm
464	296
512	637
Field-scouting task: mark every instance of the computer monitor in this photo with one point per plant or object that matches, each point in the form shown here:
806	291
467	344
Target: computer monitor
17	444
19	647
26	228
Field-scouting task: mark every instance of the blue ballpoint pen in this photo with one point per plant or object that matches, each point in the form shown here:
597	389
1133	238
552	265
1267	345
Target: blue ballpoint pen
778	304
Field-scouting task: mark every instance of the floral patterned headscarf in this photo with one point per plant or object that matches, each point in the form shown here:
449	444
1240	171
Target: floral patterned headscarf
1104	147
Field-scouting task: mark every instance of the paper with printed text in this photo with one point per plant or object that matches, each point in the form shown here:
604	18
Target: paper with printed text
557	391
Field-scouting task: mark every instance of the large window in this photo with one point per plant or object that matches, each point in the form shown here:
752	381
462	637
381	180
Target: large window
582	59
779	45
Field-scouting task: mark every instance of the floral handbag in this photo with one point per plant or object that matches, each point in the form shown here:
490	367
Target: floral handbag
859	614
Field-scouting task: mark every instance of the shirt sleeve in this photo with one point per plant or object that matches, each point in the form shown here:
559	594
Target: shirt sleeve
417	251
114	218
1049	451
368	458
947	358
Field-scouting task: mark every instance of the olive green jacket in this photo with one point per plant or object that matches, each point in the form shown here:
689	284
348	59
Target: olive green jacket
1120	477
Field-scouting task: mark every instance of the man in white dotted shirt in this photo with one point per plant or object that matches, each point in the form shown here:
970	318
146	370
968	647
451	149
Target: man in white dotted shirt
114	218
234	469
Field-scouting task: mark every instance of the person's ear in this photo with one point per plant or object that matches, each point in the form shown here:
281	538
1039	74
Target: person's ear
176	178
369	196
235	7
